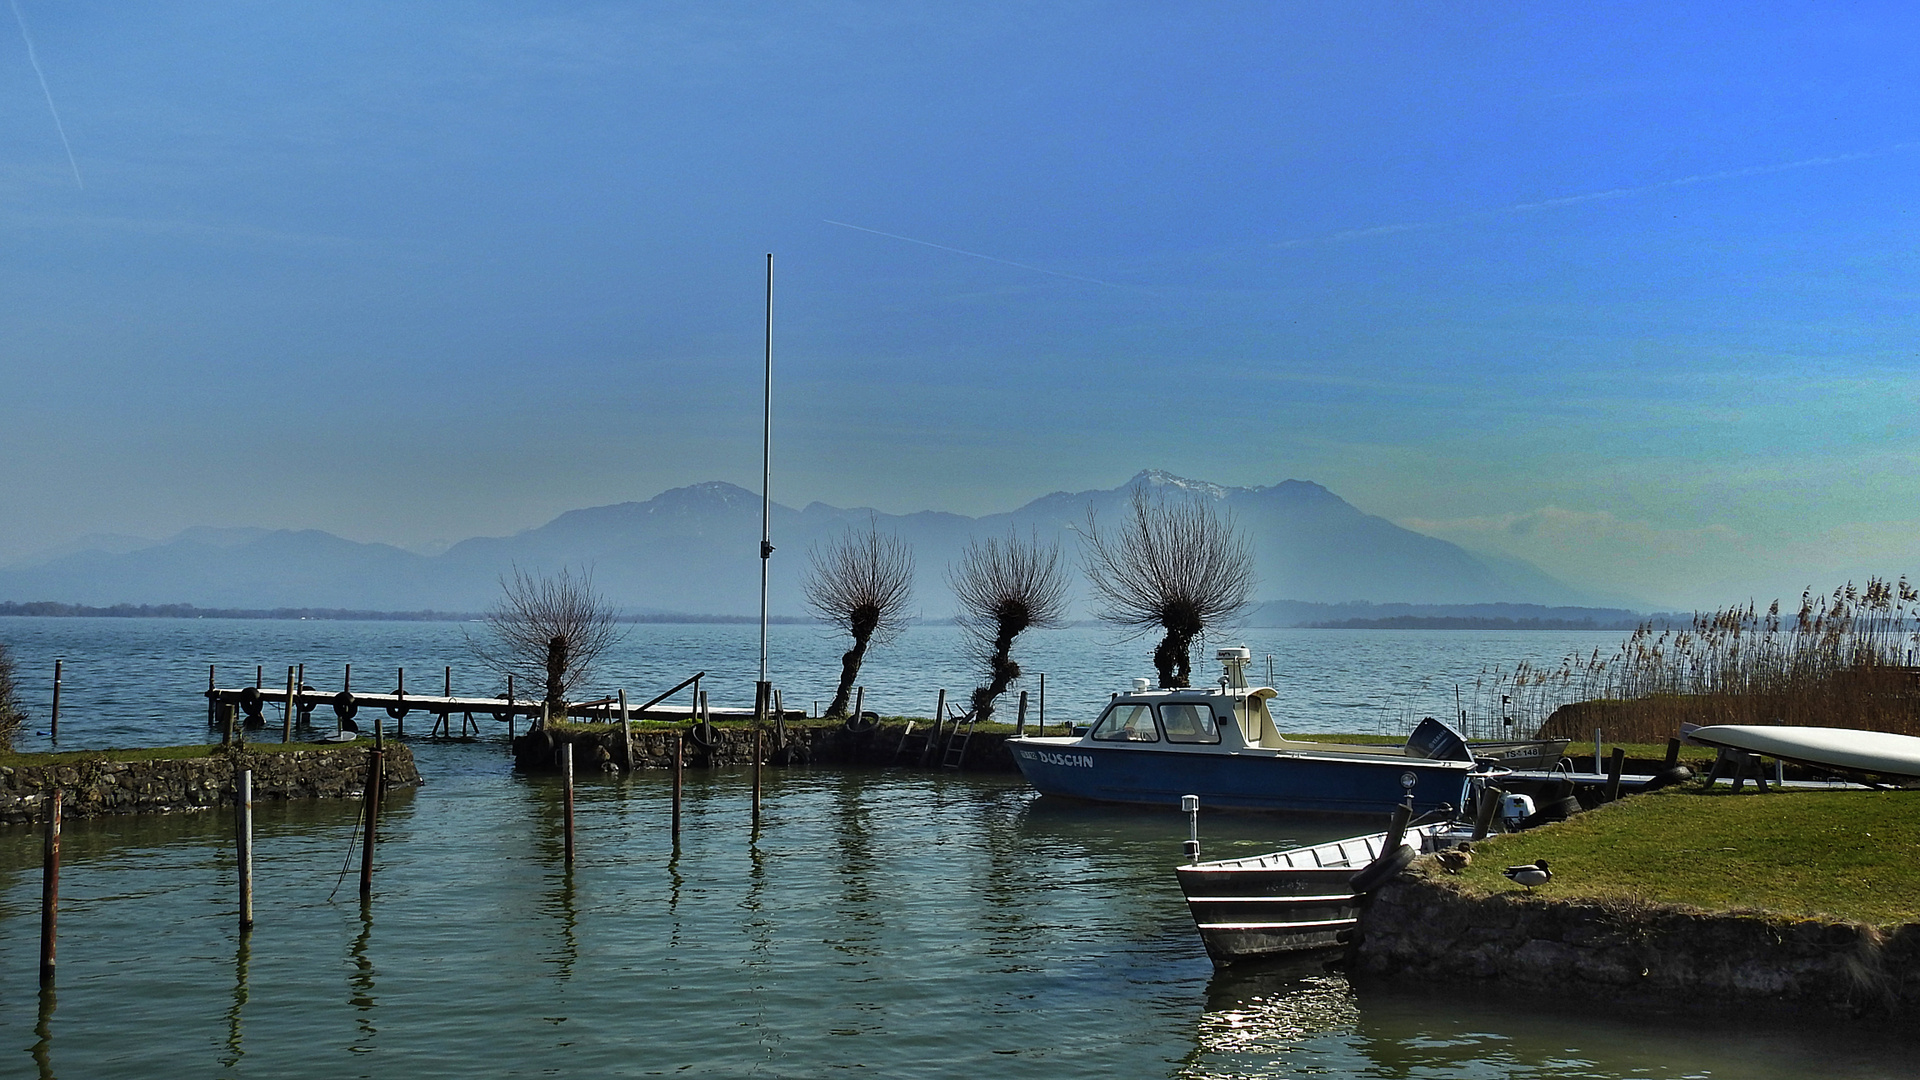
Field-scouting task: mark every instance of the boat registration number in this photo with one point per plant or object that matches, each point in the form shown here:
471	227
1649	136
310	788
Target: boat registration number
1072	761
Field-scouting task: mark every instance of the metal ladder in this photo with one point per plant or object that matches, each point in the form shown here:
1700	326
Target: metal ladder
957	741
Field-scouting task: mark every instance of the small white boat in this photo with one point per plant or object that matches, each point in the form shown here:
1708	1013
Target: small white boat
1876	753
1219	742
1298	899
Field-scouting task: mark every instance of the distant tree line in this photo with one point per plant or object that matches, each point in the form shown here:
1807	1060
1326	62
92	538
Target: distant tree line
50	609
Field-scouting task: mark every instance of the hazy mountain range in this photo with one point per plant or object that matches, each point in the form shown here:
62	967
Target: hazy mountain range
693	550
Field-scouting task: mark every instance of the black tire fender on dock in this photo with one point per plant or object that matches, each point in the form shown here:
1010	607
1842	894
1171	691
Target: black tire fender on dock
1381	870
400	710
250	702
344	706
866	721
701	736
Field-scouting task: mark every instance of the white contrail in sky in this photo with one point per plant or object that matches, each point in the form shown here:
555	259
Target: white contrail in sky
1597	196
34	59
976	255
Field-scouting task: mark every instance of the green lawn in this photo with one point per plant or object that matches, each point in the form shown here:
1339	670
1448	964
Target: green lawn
1851	855
144	753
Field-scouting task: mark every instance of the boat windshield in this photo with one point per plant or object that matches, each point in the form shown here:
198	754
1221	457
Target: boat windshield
1127	722
1189	722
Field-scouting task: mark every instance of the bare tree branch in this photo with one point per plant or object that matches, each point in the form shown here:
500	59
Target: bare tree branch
1005	587
1174	567
861	583
547	631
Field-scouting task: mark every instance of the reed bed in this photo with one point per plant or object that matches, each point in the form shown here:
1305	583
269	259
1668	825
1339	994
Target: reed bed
1846	659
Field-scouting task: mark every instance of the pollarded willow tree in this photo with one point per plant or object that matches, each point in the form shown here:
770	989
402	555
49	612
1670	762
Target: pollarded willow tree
548	630
1174	567
1004	588
861	583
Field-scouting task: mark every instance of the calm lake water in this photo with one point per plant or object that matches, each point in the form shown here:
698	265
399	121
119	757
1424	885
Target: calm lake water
877	923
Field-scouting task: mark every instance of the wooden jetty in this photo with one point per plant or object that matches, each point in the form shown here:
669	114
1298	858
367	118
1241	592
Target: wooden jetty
399	705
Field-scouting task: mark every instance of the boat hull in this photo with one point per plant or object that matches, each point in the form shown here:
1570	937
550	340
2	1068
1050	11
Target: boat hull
1282	904
1241	781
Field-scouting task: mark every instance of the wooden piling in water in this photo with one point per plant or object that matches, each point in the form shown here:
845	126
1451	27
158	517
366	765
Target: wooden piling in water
50	891
400	689
371	802
566	771
1043	703
679	758
53	724
213	712
286	724
243	845
1020	725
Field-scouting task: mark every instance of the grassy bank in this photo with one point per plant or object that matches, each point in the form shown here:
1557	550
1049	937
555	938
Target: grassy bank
1851	855
144	753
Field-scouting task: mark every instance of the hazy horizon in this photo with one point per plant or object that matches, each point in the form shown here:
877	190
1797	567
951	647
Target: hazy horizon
1622	293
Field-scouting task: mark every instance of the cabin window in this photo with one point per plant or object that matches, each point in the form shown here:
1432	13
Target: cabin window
1127	722
1189	722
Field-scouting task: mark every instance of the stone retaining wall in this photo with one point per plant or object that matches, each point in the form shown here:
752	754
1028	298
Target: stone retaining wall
595	748
1422	926
98	786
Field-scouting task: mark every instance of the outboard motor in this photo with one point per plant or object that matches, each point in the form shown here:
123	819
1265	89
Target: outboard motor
1515	809
1234	660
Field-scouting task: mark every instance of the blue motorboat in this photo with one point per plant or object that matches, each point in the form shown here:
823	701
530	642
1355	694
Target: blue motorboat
1219	742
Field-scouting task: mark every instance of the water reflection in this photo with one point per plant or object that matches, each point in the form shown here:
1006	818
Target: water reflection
360	981
243	955
560	900
1254	1021
42	1049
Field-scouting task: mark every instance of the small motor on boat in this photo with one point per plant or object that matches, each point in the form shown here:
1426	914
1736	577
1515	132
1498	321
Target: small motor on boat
1514	809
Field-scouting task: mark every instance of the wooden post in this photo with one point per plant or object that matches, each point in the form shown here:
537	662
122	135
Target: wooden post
697	699
566	771
228	724
1020	725
859	708
50	891
1043	702
53	725
1673	752
372	805
286	723
213	714
626	732
512	715
243	845
259	672
757	733
400	689
779	722
679	757
1614	767
300	689
939	717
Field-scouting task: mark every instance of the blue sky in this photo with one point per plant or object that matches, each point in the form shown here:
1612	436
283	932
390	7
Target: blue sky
1625	292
